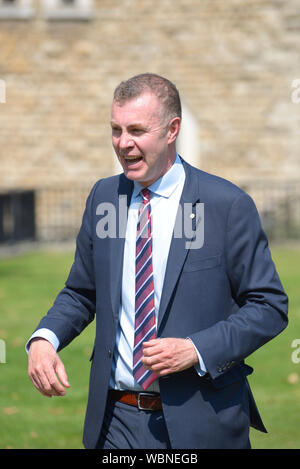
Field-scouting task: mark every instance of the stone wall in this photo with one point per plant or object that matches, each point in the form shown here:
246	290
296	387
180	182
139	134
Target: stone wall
234	63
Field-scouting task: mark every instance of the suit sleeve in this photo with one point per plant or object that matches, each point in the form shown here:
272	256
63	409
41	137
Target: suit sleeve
255	288
74	307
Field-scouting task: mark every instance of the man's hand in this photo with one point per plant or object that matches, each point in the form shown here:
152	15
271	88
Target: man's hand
46	369
169	355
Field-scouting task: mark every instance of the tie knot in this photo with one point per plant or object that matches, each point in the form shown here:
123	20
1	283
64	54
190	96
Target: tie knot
146	194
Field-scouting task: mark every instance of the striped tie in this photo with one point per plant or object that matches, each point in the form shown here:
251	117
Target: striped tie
145	328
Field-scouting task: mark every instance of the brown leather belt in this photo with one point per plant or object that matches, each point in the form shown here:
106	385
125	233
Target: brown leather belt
141	400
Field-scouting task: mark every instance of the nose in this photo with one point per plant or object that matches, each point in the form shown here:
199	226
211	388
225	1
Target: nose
125	141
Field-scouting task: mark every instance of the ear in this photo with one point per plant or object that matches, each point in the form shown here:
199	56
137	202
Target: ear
174	127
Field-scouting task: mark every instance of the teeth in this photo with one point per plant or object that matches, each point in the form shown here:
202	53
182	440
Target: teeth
132	157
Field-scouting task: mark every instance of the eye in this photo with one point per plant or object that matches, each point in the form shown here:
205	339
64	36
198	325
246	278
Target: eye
116	130
137	131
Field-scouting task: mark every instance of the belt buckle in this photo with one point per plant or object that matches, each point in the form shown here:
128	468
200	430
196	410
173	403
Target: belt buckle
139	399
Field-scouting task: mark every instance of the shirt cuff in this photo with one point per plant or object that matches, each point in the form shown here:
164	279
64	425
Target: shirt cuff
200	366
44	333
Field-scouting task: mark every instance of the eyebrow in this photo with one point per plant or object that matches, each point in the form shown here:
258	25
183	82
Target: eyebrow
134	125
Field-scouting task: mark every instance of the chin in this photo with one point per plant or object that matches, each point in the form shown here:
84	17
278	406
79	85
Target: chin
134	176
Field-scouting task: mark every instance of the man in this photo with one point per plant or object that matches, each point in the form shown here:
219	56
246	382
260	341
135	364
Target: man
177	310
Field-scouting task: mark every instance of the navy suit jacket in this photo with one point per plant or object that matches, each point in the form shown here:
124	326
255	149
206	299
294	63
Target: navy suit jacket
226	296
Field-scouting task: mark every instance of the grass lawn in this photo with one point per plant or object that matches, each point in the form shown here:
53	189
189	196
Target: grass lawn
276	380
28	286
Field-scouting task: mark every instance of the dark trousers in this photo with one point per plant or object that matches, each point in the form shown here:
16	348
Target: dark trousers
127	427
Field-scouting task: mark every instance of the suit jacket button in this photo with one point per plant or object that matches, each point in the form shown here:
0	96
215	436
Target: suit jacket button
110	353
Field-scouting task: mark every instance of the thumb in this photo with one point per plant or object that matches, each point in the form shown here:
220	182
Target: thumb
61	373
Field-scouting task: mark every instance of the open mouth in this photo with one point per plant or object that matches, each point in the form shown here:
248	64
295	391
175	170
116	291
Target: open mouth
133	159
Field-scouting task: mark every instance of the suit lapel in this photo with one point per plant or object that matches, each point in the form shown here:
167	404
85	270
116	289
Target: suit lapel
180	243
121	204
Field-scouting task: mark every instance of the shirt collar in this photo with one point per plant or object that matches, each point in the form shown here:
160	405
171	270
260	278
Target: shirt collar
166	184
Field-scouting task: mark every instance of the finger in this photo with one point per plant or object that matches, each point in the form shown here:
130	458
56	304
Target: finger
57	378
55	387
46	378
153	348
61	372
42	361
160	369
37	384
48	383
154	361
151	343
41	382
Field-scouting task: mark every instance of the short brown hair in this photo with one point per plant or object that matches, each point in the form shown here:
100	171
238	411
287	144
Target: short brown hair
163	88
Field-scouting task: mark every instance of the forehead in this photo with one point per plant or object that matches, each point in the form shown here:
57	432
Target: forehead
145	108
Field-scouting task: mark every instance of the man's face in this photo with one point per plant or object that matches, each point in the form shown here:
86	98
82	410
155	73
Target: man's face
140	138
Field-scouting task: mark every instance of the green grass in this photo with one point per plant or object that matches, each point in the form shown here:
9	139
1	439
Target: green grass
276	380
28	286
